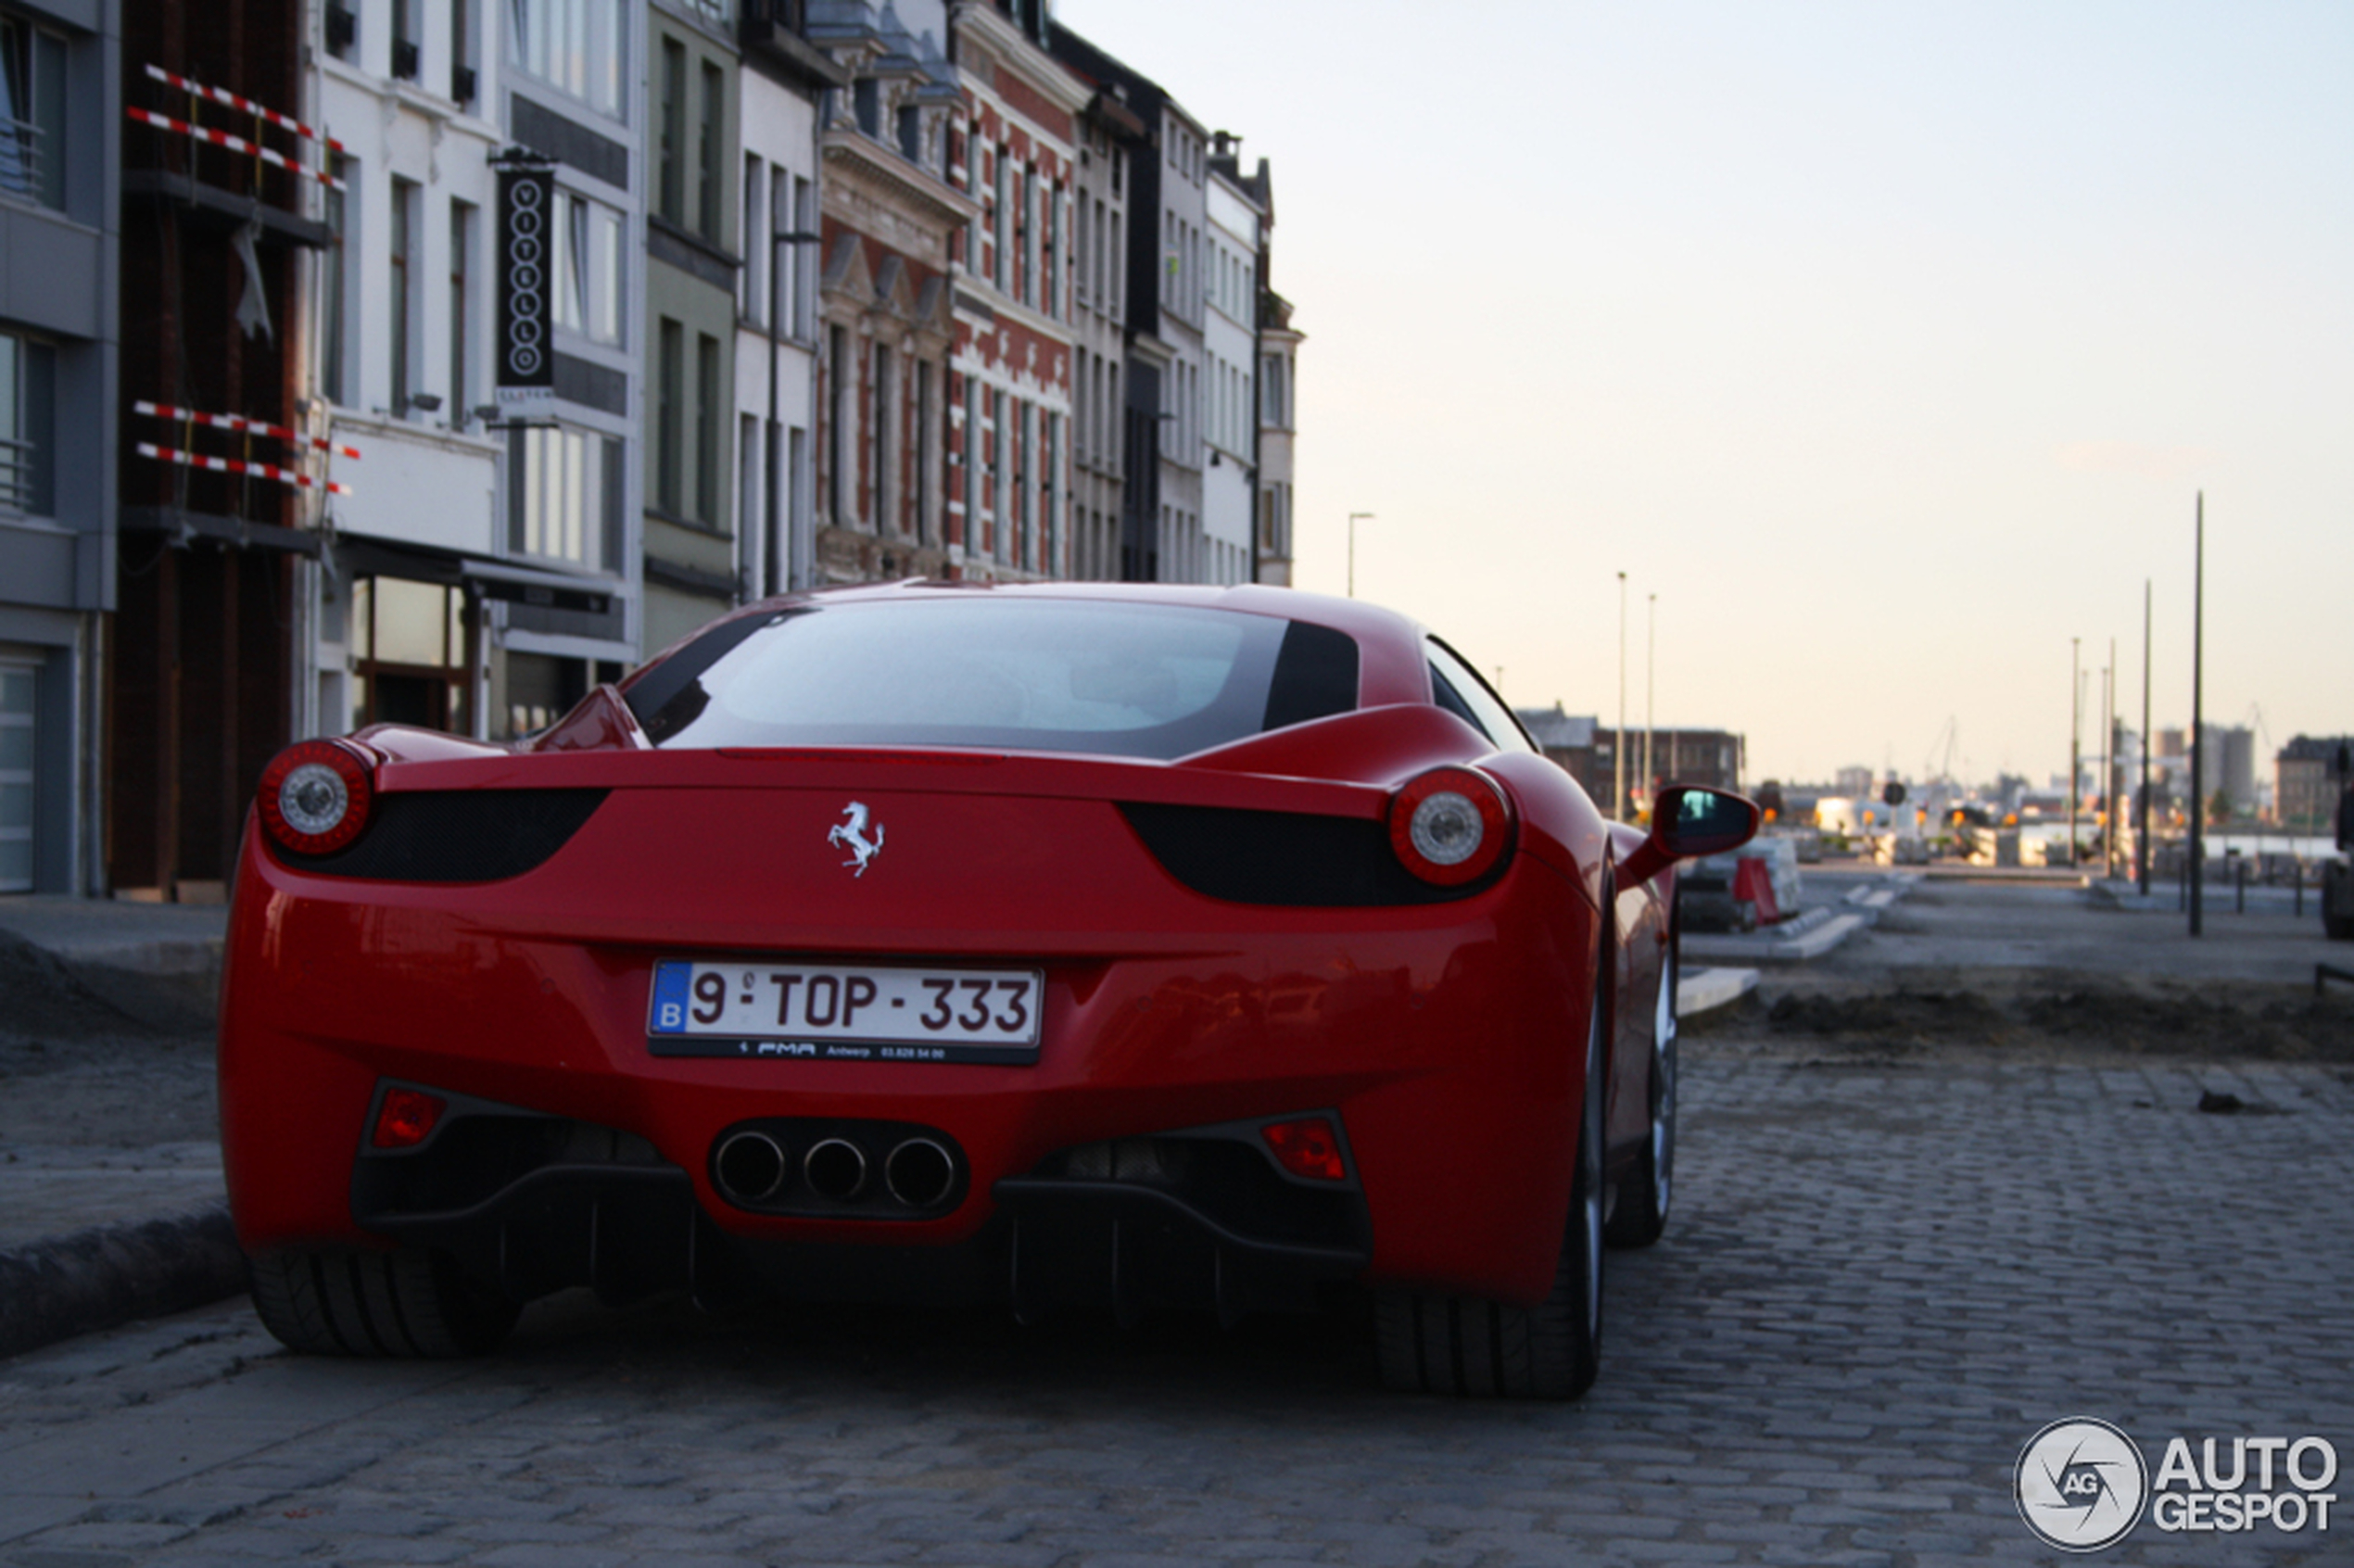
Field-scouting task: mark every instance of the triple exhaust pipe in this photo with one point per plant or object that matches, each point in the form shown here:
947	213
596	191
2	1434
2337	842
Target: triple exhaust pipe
753	1168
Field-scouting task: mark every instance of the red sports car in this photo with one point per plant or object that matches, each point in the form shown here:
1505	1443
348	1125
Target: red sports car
1046	945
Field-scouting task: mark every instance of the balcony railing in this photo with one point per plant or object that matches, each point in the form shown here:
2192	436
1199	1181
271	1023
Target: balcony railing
22	159
16	474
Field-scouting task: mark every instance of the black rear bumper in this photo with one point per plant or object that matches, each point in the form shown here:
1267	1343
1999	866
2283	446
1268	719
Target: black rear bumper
1197	1219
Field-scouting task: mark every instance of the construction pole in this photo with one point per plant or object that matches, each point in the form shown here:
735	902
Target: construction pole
1618	740
2196	875
2142	796
2075	735
1651	691
2112	819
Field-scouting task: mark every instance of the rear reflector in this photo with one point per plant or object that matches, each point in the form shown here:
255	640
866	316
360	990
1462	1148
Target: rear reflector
406	1118
1308	1148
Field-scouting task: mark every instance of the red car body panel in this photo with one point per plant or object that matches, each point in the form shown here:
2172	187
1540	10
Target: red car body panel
1447	1036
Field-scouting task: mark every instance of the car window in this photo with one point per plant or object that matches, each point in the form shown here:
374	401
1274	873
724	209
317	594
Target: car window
1455	686
1102	676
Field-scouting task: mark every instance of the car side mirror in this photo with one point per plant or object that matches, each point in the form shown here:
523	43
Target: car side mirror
1686	821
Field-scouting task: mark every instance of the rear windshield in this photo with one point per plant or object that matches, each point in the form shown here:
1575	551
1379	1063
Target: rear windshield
1109	678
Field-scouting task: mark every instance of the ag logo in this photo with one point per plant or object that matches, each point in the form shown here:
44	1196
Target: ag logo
2080	1485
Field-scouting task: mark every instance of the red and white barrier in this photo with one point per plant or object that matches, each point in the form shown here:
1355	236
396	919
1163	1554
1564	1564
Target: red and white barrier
234	144
239	422
233	465
222	96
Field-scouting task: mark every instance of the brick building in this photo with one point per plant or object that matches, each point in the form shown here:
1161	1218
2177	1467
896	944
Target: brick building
1011	372
890	201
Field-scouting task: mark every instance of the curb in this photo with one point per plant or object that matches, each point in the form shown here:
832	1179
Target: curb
104	1275
1704	991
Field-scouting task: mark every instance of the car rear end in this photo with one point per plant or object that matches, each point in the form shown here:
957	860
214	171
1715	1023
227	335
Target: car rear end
943	1021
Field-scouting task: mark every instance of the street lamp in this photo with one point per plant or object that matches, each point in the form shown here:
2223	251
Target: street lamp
1618	739
1651	689
1352	549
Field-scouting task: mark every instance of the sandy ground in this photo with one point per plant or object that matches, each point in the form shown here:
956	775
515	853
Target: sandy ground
2050	971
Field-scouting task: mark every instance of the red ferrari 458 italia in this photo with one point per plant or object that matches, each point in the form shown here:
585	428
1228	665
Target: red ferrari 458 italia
1082	944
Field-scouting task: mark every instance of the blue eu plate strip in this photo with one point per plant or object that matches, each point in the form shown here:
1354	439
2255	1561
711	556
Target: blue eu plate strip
669	1013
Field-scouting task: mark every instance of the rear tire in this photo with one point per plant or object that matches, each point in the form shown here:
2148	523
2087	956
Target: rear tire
410	1304
1639	1217
1471	1346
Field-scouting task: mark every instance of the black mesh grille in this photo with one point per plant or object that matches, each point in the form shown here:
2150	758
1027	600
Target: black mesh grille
1294	859
457	835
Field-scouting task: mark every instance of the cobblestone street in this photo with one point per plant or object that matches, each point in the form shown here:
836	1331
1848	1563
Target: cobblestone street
1882	1280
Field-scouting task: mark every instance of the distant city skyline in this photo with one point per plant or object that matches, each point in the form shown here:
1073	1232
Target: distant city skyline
1888	347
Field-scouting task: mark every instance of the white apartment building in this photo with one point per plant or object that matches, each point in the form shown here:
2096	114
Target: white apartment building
777	309
483	569
1230	290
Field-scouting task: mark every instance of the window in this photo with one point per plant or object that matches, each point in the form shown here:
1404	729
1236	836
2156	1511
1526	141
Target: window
566	501
589	276
405	61
1049	465
574	46
32	113
1455	686
670	190
1001	273
837	415
1020	481
752	279
462	54
1027	257
878	424
788	255
711	150
333	356
923	451
403	307
461	233
28	424
956	670
911	132
670	395
409	652
707	431
973	462
16	778
1271	390
996	433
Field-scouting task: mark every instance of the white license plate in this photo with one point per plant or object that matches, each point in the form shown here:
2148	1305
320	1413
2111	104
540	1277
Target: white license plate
844	1011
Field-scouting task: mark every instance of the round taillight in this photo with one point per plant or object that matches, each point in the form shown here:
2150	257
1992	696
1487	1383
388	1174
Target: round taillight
1449	826
315	796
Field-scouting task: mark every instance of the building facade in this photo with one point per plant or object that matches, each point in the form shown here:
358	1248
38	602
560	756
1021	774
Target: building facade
890	200
395	365
1110	137
2309	776
564	609
61	126
217	496
1279	344
784	84
694	551
1234	228
1011	372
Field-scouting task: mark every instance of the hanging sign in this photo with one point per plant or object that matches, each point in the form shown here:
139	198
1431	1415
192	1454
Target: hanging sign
526	359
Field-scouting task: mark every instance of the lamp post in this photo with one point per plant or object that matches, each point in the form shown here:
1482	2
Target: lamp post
1618	737
1352	549
2075	735
1651	687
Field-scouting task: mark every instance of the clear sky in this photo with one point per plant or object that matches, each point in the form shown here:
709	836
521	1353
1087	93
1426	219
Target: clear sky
1886	345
